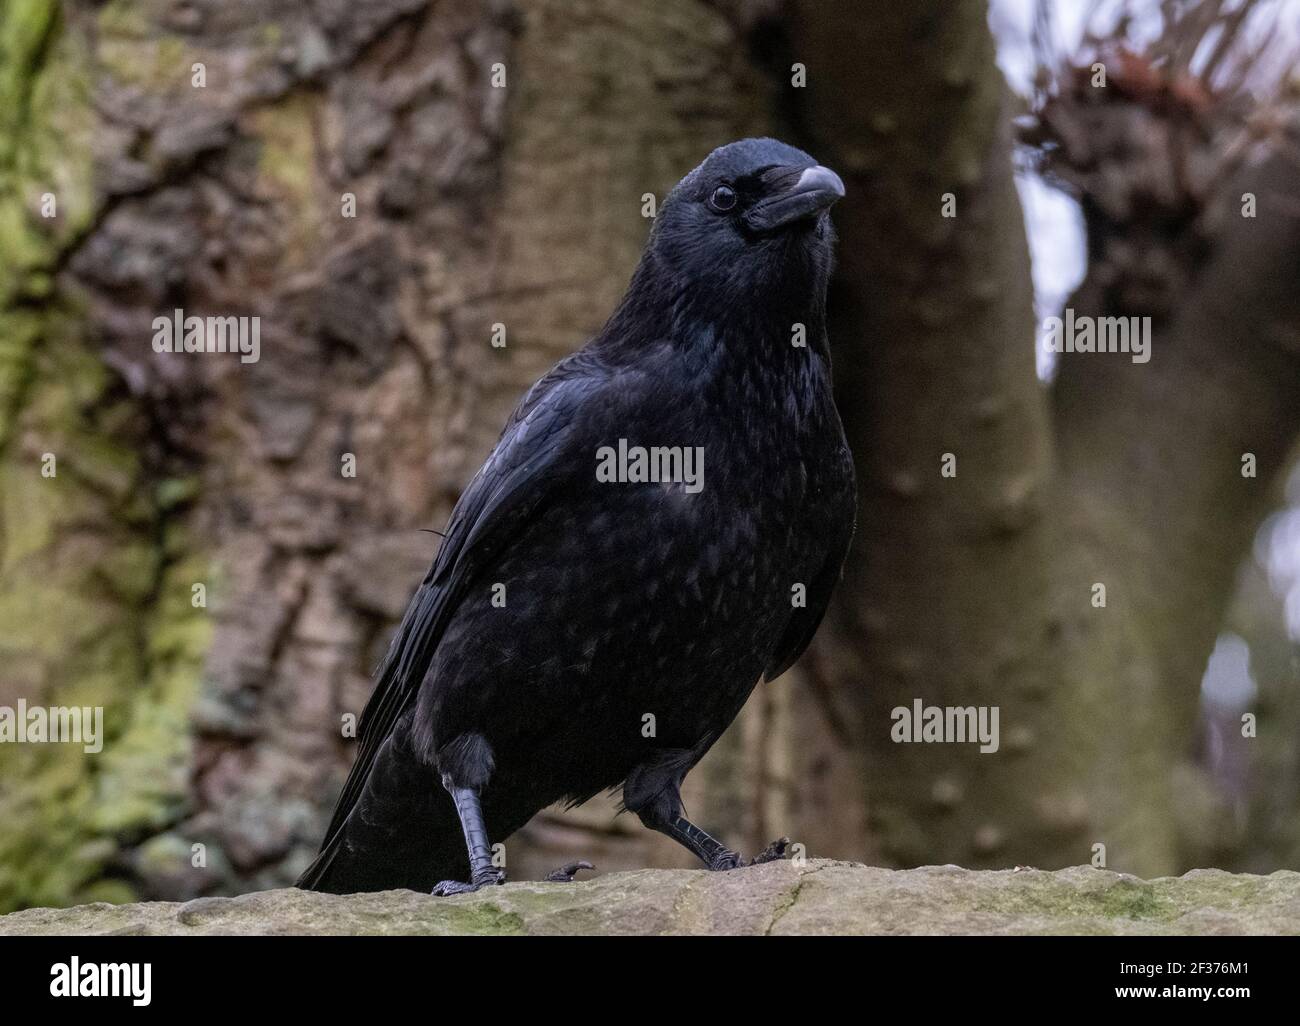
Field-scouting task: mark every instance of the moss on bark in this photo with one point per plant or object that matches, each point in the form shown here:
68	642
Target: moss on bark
95	560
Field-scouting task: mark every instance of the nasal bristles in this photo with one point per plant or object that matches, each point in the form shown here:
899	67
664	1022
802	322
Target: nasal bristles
777	179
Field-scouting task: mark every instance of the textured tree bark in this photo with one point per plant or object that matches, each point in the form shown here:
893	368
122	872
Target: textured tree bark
94	559
347	176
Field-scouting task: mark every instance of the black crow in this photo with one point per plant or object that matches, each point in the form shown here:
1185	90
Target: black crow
660	524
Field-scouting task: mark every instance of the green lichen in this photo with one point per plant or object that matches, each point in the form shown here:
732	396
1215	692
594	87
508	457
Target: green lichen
135	53
284	171
95	560
483	919
1124	899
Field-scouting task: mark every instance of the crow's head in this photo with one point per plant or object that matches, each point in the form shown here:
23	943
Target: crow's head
749	224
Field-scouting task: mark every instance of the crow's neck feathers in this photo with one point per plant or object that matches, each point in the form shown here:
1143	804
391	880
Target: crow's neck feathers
735	325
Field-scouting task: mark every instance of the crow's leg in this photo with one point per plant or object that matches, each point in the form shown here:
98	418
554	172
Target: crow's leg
707	848
712	852
465	765
653	792
481	871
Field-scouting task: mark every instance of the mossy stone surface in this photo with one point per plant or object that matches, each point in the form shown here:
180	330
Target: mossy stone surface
819	897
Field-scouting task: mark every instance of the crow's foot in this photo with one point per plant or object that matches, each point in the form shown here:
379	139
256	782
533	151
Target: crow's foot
774	852
728	859
449	887
565	874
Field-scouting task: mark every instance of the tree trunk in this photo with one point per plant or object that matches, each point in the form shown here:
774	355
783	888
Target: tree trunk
979	589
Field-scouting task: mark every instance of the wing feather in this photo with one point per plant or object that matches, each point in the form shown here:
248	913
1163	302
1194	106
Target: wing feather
522	472
803	623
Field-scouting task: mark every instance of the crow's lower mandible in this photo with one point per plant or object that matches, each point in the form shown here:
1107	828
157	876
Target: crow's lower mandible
660	525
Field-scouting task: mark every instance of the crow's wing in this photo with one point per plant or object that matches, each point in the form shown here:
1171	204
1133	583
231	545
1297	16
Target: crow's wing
523	470
803	622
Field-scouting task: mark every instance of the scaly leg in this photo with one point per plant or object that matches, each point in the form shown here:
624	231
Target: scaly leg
481	871
708	849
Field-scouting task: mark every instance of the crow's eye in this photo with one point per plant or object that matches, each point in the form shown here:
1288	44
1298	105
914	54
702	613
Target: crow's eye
723	198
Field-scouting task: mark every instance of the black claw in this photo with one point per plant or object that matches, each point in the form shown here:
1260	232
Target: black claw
774	852
566	873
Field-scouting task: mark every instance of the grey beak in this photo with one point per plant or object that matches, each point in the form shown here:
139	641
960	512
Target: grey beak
812	192
821	179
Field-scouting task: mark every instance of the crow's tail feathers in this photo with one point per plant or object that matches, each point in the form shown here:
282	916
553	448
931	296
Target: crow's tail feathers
401	831
317	876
